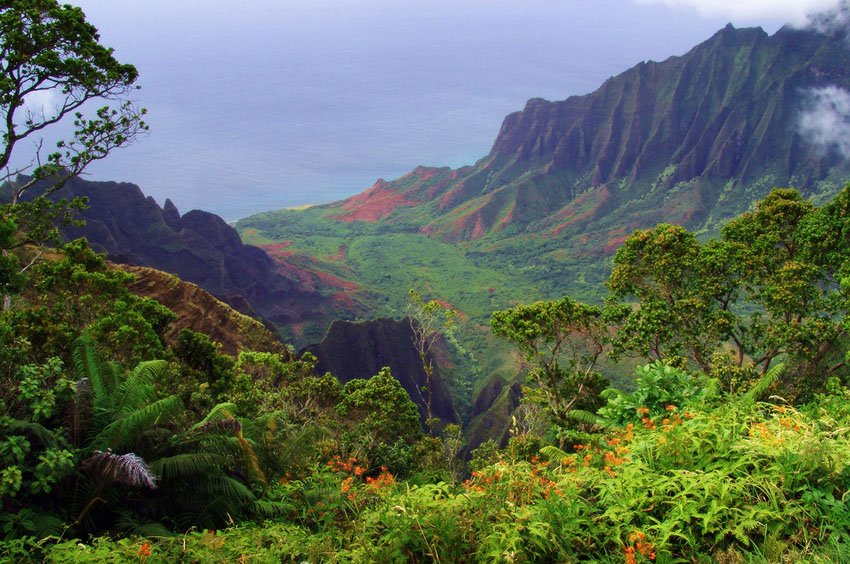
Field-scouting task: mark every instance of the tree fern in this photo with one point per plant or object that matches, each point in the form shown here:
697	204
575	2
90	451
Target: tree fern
80	411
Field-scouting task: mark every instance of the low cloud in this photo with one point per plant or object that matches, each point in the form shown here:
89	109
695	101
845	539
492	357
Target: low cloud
835	20
824	121
797	12
42	103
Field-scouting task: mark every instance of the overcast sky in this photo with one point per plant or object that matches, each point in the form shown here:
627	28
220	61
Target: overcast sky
262	104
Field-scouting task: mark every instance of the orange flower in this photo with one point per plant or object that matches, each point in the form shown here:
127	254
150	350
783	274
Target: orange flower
144	550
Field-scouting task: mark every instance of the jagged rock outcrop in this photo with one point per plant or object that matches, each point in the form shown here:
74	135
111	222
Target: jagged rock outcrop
359	350
201	248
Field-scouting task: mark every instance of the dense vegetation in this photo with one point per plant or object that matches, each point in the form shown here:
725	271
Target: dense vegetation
731	444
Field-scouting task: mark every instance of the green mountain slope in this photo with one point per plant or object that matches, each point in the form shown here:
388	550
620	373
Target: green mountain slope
691	140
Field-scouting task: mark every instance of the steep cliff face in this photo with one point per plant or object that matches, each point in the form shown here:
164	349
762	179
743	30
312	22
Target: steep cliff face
709	124
359	350
201	248
199	311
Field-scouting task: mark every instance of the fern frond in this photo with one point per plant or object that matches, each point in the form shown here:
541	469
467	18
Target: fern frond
222	411
127	429
44	435
230	490
128	523
129	469
88	365
609	393
251	461
271	508
553	453
137	389
588	418
45	524
763	384
187	465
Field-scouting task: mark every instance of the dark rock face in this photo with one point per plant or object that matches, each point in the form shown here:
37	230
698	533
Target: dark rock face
359	350
199	247
491	413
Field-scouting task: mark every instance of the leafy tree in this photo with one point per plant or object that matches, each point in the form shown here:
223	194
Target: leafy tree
51	66
771	287
379	413
665	270
79	293
207	367
49	51
563	340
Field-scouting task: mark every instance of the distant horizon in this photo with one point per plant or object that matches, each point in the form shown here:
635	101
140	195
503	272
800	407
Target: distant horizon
269	106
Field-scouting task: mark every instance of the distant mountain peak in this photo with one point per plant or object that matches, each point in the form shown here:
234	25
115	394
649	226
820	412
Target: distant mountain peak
727	111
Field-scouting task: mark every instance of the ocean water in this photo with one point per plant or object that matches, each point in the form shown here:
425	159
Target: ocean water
266	104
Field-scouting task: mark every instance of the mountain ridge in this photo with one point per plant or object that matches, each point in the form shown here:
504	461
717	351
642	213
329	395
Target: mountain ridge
724	111
203	249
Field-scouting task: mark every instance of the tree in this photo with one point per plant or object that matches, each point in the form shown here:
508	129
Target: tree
428	322
379	411
665	270
563	340
773	286
50	52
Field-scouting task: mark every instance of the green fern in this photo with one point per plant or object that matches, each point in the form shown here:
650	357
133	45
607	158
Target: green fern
553	453
137	389
186	466
128	428
763	384
217	413
588	418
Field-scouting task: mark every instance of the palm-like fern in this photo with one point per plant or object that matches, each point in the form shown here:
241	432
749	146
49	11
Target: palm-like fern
137	464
